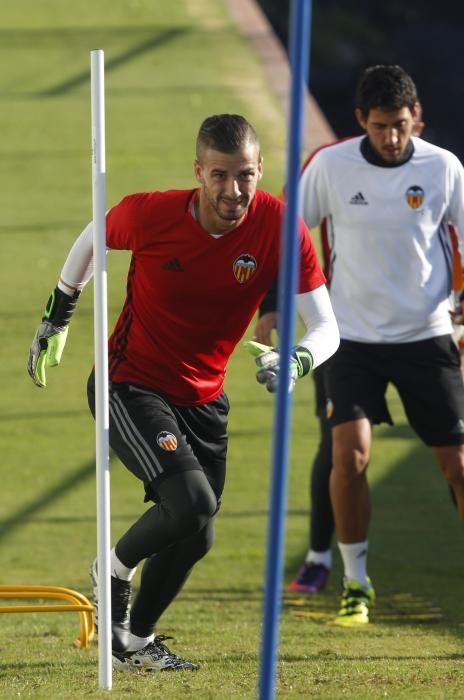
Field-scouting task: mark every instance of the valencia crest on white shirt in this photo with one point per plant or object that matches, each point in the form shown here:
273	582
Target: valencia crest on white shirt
415	196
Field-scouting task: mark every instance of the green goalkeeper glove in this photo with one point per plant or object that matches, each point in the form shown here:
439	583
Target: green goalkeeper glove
49	341
268	362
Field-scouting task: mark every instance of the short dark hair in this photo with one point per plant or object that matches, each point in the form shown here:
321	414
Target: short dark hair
226	133
385	87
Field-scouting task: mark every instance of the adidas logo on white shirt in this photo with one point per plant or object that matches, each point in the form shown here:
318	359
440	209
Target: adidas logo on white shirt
358	199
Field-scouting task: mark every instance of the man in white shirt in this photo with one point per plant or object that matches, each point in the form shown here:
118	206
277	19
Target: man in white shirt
389	197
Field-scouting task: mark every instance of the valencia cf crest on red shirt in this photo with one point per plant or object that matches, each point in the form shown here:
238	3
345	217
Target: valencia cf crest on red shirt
244	268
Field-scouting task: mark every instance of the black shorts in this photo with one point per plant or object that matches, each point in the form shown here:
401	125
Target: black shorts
155	439
426	374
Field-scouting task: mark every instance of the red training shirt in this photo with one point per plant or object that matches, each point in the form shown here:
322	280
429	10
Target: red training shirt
190	296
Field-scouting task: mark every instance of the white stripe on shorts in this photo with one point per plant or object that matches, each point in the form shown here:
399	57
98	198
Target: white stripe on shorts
133	439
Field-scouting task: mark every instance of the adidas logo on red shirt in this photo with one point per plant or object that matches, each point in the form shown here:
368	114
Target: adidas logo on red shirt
173	265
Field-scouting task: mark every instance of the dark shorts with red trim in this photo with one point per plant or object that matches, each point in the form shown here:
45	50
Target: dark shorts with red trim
426	373
155	439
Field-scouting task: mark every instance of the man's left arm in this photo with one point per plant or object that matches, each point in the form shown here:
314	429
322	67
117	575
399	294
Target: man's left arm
319	342
455	213
456	231
322	336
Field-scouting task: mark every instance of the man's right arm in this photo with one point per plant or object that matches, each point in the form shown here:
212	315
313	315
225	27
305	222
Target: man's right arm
50	338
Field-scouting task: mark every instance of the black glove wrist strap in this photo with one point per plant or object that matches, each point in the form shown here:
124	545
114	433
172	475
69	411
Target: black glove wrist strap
304	360
60	307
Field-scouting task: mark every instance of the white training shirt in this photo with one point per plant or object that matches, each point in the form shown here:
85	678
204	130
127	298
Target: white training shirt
390	248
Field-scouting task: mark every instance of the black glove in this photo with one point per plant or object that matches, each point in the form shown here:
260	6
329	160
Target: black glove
49	341
268	361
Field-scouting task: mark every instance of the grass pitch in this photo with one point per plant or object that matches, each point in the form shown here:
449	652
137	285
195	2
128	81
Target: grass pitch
168	65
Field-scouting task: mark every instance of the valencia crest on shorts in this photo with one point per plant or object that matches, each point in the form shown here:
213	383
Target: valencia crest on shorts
244	267
415	196
329	408
167	441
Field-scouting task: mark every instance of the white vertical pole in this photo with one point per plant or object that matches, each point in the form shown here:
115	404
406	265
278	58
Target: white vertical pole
97	79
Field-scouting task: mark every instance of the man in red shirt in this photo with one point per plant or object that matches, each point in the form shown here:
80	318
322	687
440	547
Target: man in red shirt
202	260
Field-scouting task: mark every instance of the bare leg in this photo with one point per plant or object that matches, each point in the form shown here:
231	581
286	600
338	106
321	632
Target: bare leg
349	489
451	461
351	505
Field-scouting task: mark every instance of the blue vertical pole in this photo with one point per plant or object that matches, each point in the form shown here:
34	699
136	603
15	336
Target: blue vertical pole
299	60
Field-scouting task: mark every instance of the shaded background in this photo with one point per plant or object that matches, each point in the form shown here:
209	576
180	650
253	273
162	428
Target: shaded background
425	38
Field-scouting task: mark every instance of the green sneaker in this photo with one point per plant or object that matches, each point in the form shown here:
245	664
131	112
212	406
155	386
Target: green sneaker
356	599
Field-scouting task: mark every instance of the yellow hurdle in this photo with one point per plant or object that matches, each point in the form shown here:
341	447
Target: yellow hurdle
76	603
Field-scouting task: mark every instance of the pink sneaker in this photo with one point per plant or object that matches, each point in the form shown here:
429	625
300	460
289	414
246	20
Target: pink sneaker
311	578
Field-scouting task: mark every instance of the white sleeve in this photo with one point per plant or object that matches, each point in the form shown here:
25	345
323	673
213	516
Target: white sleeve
78	268
322	336
312	192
